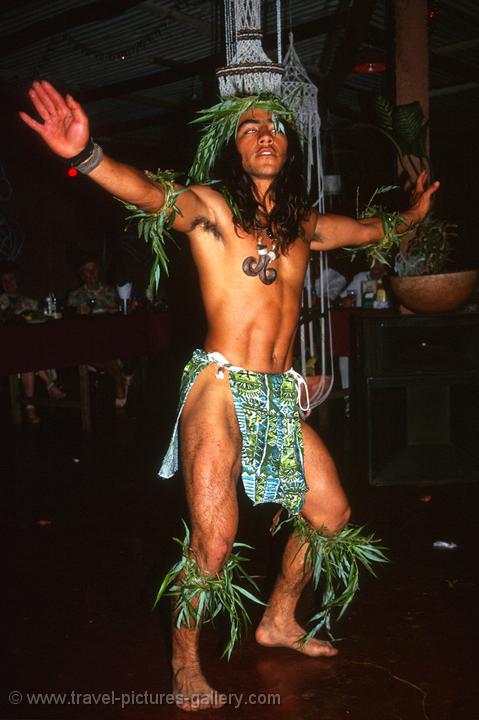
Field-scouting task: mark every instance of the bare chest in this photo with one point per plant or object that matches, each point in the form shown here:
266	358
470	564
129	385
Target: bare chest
221	248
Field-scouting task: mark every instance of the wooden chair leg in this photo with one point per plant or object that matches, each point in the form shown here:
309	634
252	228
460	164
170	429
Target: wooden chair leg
85	402
15	404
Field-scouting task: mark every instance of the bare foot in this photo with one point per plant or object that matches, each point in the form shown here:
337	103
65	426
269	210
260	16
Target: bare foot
191	690
287	634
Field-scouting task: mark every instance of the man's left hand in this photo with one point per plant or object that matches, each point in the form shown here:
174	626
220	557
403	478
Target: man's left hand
420	203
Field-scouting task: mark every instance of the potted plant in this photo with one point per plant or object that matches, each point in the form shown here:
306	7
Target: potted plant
423	282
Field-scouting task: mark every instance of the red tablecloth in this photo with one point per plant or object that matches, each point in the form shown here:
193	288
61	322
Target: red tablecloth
81	340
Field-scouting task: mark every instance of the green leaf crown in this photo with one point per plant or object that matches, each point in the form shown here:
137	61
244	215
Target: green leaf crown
221	123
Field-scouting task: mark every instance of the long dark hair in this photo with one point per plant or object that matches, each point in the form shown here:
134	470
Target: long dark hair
288	191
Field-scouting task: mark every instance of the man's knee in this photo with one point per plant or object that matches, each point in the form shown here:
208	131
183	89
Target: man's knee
332	521
342	518
212	552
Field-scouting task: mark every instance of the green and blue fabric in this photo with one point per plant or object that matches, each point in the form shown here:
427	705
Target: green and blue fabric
267	410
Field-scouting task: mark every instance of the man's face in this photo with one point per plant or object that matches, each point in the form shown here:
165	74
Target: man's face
9	284
90	274
263	150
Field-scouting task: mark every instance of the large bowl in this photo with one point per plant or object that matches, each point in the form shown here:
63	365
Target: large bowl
435	293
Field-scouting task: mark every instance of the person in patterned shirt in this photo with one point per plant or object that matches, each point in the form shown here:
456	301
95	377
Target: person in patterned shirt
92	296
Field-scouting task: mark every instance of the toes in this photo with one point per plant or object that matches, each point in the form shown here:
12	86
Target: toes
318	648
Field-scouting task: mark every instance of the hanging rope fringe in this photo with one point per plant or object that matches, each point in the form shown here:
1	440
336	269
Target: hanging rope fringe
278	31
248	68
302	96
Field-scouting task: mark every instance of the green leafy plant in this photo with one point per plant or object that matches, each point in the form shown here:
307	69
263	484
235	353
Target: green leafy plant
429	251
426	248
405	127
200	598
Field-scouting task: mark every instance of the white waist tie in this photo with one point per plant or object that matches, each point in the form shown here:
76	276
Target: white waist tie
222	362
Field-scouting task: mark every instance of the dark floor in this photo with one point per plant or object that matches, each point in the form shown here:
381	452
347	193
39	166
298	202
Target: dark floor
87	527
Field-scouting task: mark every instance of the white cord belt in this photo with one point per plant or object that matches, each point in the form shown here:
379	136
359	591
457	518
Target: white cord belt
222	362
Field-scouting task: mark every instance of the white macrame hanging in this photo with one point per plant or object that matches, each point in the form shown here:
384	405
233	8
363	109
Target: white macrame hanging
248	69
302	96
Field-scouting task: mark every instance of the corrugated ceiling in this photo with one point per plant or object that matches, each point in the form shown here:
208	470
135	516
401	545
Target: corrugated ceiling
137	43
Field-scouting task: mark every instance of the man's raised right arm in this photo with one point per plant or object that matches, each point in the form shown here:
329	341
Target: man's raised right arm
66	131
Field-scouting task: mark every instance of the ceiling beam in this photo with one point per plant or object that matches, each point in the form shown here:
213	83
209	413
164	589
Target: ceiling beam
148	101
65	20
456	68
457	46
197	23
186	109
145	82
454	89
202	66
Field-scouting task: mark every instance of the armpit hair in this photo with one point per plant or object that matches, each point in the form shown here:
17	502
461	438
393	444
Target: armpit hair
207	225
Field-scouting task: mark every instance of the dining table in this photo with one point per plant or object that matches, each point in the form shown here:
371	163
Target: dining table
78	341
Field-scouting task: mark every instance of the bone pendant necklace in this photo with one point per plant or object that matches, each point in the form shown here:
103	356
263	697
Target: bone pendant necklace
253	266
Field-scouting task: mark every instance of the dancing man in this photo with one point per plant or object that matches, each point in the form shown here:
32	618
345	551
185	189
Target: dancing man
251	236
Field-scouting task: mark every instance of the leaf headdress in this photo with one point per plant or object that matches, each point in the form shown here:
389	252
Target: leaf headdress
221	123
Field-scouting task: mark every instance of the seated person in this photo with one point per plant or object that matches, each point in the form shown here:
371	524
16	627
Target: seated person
332	284
94	295
377	271
13	303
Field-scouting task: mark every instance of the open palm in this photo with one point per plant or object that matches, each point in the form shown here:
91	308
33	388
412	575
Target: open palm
65	127
422	194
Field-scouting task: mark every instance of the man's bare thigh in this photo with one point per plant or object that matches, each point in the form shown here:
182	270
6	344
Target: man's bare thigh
210	443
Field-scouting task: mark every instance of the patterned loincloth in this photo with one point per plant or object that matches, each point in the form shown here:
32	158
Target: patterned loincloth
267	410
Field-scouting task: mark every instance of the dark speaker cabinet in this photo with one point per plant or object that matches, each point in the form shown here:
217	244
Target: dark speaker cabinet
416	398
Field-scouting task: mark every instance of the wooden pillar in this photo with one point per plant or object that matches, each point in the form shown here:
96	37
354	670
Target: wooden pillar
412	53
85	404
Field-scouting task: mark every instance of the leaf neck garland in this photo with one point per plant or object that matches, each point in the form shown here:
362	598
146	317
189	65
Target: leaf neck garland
200	598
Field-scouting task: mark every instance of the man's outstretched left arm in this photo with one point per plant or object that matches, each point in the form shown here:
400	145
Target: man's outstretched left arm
335	231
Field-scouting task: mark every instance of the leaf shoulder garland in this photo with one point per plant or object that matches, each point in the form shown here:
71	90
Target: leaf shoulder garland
155	227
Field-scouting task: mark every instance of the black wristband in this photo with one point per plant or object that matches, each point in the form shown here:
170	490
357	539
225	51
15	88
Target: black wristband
83	155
